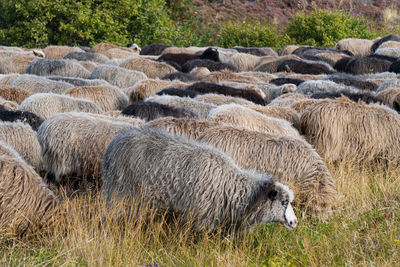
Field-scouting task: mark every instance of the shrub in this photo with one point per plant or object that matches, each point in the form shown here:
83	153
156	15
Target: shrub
325	28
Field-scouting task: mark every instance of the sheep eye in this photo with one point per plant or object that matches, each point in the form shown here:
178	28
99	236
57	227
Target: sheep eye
285	203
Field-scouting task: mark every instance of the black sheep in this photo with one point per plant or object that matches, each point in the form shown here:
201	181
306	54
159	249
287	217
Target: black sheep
305	67
182	58
178	92
24	116
153	49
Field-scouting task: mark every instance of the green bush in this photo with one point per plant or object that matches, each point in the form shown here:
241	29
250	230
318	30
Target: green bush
250	34
325	28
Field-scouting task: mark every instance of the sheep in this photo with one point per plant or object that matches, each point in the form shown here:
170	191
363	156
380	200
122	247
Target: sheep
149	87
8	105
120	52
183	50
300	105
189	127
328	57
390	44
247	118
26	203
367	65
380	78
263	77
353	80
341	64
204	88
257	51
200	108
322	86
288	49
46	105
286	80
366	97
58	52
218	100
200	72
183	77
117	76
84	141
225	75
305	67
182	58
290	159
287	100
83	56
243	62
23	139
27	117
36	84
209	64
7	150
6	79
152	69
106	97
14	93
301	76
193	180
101	48
153	49
178	92
57	67
79	81
379	42
16	63
387	95
257	88
150	110
343	130
390	52
285	113
358	47
395	67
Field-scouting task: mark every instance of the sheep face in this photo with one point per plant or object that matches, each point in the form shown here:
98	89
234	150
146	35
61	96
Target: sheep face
273	204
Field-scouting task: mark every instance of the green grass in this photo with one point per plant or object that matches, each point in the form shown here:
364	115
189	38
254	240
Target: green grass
365	231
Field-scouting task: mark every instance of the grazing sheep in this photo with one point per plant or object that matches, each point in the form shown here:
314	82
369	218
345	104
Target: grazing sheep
285	113
243	62
79	81
322	86
209	64
390	52
225	75
221	99
387	95
183	77
290	159
26	203
256	51
205	88
209	54
200	72
305	67
120	52
23	139
84	141
193	180
259	89
367	65
117	76
57	67
36	84
16	63
395	67
341	64
288	49
58	52
150	110
341	129
365	96
183	50
286	80
390	44
200	108
8	105
106	97
101	48
178	92
189	127
330	58
149	87
247	118
353	80
358	47
152	69
287	100
14	93
6	79
379	42
27	117
153	49
83	56
46	105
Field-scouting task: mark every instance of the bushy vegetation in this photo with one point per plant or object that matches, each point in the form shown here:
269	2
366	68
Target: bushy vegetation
66	22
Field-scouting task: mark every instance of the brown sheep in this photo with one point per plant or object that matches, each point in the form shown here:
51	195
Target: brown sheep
106	97
225	75
341	129
285	113
247	118
7	150
152	69
302	104
102	48
16	63
58	52
291	159
387	95
8	105
191	128
287	100
143	89
26	203
218	100
14	93
120	52
7	79
288	49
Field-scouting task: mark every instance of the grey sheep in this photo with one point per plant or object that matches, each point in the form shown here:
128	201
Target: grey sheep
117	76
36	84
57	67
196	181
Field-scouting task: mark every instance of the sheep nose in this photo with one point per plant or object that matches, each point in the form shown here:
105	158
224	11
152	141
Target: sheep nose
293	223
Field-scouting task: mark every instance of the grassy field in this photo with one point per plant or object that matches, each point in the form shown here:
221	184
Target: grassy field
364	232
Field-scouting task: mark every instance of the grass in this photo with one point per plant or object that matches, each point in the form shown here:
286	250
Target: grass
365	231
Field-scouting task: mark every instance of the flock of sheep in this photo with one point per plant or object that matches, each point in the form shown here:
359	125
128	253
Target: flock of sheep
223	137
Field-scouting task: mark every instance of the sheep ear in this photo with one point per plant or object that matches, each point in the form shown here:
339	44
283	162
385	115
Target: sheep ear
272	194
